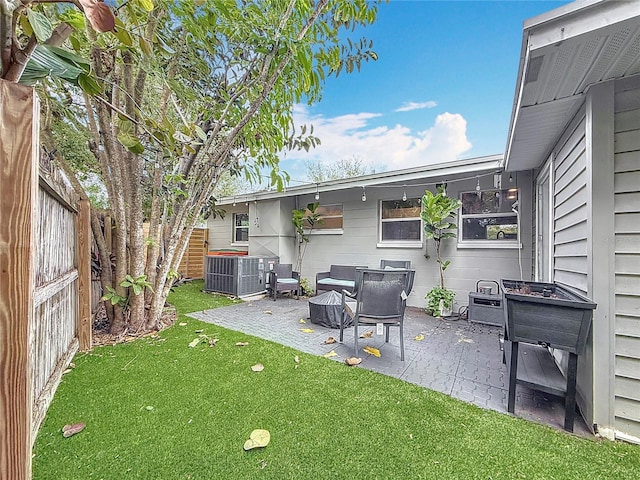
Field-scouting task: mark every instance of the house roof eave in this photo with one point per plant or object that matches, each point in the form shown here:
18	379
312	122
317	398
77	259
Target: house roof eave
563	53
416	175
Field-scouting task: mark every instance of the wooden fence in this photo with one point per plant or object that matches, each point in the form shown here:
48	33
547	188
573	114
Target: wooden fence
192	264
45	309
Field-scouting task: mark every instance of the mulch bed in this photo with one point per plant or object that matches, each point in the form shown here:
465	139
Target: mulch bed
103	336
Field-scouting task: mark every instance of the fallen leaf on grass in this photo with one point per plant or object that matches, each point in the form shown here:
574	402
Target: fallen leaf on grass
242	344
212	341
258	367
183	324
194	342
332	353
302	320
296	359
69	430
367	334
199	331
306	330
372	351
351	361
329	341
419	337
259	438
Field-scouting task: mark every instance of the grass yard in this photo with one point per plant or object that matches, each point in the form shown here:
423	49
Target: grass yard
157	408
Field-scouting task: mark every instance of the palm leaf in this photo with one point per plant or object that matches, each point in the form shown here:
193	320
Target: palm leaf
47	60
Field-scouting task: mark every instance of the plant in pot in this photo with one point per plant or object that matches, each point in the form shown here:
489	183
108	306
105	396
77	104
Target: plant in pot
437	214
304	219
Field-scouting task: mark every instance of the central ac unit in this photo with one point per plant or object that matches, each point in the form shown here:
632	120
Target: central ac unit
238	275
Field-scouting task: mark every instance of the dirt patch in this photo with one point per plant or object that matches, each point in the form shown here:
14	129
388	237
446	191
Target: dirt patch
102	335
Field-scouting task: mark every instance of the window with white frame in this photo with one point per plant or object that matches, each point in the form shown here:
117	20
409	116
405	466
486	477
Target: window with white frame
400	221
489	216
330	219
240	228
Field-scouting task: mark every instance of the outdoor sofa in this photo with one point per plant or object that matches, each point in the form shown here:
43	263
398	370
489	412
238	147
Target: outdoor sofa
338	278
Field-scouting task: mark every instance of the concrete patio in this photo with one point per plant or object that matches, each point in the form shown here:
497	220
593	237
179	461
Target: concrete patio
458	358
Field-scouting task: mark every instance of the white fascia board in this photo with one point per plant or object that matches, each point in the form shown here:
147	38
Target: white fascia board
524	62
583	18
558	25
441	171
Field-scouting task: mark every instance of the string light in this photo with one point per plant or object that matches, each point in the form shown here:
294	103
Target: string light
364	195
510	178
317	193
234	200
404	194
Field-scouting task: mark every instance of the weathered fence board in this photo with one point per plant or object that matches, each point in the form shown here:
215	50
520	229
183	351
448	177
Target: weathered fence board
45	281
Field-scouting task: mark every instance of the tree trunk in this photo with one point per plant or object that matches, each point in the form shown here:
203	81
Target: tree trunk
104	254
439	261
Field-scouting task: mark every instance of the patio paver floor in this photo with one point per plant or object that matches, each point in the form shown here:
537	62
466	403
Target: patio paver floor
458	358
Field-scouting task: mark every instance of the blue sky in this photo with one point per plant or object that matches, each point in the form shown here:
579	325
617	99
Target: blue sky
442	88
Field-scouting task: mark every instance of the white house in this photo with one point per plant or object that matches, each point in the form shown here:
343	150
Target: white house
576	123
365	219
573	164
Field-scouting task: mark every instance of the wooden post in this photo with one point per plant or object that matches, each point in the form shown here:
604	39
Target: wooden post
84	275
19	147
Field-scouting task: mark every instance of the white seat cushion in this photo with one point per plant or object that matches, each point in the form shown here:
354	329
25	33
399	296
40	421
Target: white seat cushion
338	282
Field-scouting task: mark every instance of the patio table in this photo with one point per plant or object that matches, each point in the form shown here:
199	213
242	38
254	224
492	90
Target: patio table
326	309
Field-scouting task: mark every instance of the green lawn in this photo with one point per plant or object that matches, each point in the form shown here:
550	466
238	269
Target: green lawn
159	409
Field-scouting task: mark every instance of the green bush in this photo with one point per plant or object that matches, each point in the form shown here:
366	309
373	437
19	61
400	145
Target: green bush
433	298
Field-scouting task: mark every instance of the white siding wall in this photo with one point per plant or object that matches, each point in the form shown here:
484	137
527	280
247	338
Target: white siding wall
596	248
569	237
627	256
570	200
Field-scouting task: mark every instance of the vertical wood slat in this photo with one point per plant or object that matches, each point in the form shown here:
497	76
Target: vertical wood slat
84	276
192	263
18	204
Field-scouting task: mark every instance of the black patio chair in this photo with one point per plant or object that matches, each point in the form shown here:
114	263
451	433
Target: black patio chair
380	297
406	264
283	279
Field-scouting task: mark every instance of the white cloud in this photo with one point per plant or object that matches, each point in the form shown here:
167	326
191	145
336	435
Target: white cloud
408	106
387	147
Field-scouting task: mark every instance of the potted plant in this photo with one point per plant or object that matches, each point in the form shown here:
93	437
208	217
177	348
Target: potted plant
437	214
